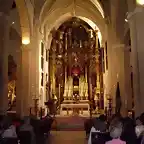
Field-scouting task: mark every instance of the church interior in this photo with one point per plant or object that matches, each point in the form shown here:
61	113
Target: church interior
84	56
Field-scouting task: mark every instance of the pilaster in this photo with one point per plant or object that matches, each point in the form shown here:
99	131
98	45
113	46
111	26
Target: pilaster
26	95
120	75
136	22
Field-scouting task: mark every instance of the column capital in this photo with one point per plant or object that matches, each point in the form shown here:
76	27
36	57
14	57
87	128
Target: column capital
121	46
138	9
118	46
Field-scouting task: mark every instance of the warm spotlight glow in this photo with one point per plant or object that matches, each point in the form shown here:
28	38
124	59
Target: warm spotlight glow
126	20
25	40
59	56
140	2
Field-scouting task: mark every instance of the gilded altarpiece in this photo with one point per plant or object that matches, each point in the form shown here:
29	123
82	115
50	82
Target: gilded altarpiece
75	63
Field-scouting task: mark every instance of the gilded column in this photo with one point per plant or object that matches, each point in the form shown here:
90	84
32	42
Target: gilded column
66	46
97	70
54	68
86	78
25	80
70	37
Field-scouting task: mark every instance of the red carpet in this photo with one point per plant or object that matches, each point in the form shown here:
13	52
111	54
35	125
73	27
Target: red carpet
72	123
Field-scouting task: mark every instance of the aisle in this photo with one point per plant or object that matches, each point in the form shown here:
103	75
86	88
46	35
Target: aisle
69	123
68	137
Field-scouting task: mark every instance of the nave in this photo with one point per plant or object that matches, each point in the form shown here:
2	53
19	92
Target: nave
68	137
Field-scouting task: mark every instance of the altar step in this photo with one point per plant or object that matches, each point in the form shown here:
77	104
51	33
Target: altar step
71	123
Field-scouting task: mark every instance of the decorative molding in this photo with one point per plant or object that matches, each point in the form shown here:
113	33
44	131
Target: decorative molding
116	46
125	48
136	10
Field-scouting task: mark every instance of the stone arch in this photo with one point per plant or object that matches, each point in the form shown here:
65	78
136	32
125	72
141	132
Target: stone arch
48	6
63	16
50	13
24	20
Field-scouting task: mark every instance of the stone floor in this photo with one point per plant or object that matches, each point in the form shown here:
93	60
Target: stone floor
67	137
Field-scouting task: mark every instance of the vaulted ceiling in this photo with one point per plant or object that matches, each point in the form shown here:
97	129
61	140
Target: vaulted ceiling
54	12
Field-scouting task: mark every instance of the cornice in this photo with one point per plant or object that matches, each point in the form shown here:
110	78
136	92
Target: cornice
117	46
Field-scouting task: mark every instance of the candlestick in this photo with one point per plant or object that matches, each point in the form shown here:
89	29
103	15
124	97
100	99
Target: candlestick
80	43
53	75
59	99
86	73
66	42
90	91
65	74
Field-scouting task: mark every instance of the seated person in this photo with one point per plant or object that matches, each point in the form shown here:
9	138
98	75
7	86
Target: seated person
27	127
8	129
115	133
99	125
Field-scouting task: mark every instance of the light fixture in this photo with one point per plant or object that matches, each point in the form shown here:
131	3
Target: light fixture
126	20
59	56
140	2
13	22
25	40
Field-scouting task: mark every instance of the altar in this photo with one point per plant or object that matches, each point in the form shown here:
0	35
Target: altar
74	109
76	62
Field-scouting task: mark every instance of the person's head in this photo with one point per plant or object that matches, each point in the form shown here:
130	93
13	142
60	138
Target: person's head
138	121
26	120
102	118
116	129
142	118
6	122
139	130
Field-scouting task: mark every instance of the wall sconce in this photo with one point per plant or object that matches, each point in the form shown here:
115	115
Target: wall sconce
140	2
25	40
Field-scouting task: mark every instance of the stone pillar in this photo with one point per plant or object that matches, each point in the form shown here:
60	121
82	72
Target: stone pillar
120	75
19	82
127	71
111	68
136	23
4	44
24	82
53	73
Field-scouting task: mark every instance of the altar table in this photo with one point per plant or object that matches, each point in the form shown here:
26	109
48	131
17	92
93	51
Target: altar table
75	107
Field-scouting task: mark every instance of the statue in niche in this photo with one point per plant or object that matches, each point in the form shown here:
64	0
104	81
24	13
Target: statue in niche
69	31
54	44
85	44
61	34
75	44
60	47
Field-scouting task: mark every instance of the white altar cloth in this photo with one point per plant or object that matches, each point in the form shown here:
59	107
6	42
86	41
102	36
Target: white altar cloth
81	105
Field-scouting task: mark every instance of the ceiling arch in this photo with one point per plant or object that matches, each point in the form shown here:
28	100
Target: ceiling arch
48	6
55	19
63	18
24	19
